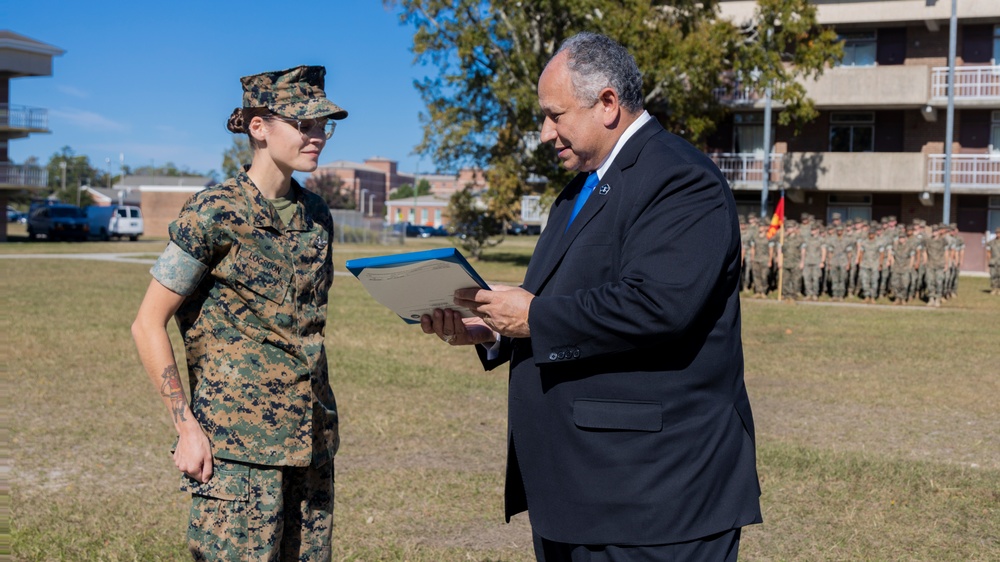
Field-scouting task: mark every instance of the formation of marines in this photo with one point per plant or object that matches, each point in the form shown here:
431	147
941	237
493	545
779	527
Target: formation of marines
910	263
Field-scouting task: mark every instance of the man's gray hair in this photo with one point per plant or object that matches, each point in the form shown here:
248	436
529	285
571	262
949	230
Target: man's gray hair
596	62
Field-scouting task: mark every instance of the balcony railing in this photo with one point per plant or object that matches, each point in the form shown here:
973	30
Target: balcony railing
971	82
13	175
737	93
747	170
968	171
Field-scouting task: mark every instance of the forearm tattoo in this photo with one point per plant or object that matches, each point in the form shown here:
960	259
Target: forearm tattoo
173	391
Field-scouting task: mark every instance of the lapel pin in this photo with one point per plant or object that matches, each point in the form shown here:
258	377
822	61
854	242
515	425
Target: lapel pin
605	189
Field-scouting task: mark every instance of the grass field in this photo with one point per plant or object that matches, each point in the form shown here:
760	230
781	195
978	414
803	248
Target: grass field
878	437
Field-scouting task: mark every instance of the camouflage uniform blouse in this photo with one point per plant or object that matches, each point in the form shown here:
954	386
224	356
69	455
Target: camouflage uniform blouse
253	322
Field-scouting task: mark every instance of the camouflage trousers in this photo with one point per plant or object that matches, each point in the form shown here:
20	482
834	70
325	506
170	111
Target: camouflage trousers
255	512
790	281
935	282
868	282
995	276
901	282
760	278
811	275
838	280
883	281
951	281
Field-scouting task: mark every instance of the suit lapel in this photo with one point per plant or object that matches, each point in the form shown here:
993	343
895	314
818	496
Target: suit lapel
555	239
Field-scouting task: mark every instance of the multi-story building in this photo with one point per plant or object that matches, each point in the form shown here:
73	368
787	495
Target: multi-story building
21	56
371	184
878	145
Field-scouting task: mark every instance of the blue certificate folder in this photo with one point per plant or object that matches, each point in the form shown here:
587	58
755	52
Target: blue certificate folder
415	283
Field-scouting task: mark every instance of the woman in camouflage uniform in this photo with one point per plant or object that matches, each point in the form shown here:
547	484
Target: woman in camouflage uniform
246	274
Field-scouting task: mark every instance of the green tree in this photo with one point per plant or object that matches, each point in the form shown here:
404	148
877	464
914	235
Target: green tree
236	156
473	223
331	188
169	169
78	172
406	190
482	108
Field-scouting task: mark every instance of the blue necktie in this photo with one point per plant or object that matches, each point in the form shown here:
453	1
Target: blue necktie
588	188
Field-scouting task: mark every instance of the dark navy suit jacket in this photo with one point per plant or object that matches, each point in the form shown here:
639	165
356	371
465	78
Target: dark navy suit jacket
629	421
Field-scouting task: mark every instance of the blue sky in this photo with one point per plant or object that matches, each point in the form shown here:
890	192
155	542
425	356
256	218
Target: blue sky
156	81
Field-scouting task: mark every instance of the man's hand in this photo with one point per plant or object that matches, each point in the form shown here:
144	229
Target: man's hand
193	455
504	309
455	330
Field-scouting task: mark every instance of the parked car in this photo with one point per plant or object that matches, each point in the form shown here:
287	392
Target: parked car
440	231
516	229
57	221
115	221
412	230
13	215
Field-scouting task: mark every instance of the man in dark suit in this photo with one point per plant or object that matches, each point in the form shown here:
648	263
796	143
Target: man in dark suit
630	434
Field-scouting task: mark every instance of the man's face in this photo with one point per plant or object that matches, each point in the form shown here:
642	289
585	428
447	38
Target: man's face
576	129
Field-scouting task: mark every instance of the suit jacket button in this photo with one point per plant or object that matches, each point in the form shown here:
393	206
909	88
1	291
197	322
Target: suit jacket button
553	357
576	354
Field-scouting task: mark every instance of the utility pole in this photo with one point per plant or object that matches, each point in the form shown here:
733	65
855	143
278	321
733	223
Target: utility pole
950	126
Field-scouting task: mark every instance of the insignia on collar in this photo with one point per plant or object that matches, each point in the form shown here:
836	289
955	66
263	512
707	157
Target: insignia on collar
605	189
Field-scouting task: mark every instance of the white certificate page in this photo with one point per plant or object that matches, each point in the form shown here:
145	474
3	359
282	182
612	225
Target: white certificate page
414	289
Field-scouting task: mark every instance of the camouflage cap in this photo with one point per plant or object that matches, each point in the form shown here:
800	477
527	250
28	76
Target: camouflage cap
836	216
295	93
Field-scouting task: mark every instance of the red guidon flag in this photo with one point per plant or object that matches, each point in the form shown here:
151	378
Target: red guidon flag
778	219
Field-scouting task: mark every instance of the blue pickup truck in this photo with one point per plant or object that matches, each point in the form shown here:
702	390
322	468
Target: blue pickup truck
57	221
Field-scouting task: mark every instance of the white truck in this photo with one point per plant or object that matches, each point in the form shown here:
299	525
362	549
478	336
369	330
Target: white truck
115	221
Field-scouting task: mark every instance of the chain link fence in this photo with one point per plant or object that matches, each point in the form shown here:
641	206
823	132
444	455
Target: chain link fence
352	227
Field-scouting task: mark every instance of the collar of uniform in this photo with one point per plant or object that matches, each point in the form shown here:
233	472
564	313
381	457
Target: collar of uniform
300	220
263	213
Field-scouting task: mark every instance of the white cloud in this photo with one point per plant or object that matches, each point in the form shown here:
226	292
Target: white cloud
71	91
201	158
89	120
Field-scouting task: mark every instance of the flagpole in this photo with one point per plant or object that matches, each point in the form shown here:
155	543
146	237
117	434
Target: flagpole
781	246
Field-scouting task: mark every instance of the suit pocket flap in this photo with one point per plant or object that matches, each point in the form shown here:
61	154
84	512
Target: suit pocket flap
229	482
617	414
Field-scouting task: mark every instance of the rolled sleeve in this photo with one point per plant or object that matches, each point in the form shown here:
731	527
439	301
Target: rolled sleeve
178	271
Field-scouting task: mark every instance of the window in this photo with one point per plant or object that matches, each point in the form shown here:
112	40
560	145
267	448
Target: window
852	132
995	133
859	48
123	213
850	207
996	44
748	133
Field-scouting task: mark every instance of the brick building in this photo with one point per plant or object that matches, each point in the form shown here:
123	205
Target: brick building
372	182
160	197
877	147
